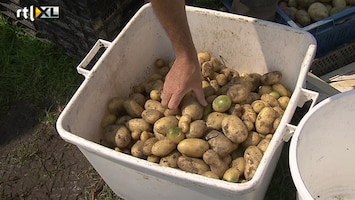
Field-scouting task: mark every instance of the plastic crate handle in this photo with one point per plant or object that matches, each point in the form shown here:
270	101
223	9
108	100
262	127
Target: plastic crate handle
306	101
82	67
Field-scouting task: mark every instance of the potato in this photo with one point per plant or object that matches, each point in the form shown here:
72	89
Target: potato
192	165
221	79
305	3
115	105
139	125
290	11
210	174
155	105
281	89
204	56
238	93
236	110
214	120
252	157
234	129
139	98
163	147
250	125
318	11
171	112
184	123
238	163
147	146
159	63
263	144
123	120
133	108
155	95
283	101
339	3
137	149
253	96
248	114
220	143
208	90
232	175
109	135
217	64
198	129
258	105
108	119
276	124
271	78
303	18
151	115
145	135
271	100
153	158
336	10
215	162
265	120
253	139
170	160
190	106
163	124
193	147
164	71
207	71
265	89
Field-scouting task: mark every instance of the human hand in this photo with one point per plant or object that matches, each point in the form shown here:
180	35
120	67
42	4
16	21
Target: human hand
183	77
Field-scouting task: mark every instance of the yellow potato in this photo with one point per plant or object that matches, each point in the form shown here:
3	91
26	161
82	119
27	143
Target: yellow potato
163	124
215	162
193	147
163	147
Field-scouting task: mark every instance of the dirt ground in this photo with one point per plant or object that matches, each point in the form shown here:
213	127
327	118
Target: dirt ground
35	163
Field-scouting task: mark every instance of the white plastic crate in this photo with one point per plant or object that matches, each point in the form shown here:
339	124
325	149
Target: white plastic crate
246	44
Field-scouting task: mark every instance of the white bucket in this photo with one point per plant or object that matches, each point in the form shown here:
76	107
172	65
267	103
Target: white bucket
246	44
322	150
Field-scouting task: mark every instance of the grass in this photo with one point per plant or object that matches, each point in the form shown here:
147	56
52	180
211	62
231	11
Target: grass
33	70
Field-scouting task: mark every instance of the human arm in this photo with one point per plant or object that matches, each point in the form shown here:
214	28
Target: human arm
185	74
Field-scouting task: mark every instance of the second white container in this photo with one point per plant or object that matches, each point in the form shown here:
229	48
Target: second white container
322	150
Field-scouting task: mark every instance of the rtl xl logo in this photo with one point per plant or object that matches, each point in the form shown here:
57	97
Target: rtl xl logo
43	12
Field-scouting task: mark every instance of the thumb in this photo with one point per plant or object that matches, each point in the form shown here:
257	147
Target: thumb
200	96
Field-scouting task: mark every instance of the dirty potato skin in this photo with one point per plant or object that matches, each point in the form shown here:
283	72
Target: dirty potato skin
193	165
234	129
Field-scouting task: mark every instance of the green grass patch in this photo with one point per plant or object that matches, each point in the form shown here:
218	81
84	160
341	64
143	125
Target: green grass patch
33	70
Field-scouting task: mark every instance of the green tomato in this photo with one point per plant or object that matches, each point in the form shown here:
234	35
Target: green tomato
222	103
175	134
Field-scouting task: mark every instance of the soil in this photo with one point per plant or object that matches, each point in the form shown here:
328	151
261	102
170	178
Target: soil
35	163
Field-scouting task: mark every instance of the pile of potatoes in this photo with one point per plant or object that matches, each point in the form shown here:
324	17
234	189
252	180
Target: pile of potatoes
225	140
305	12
